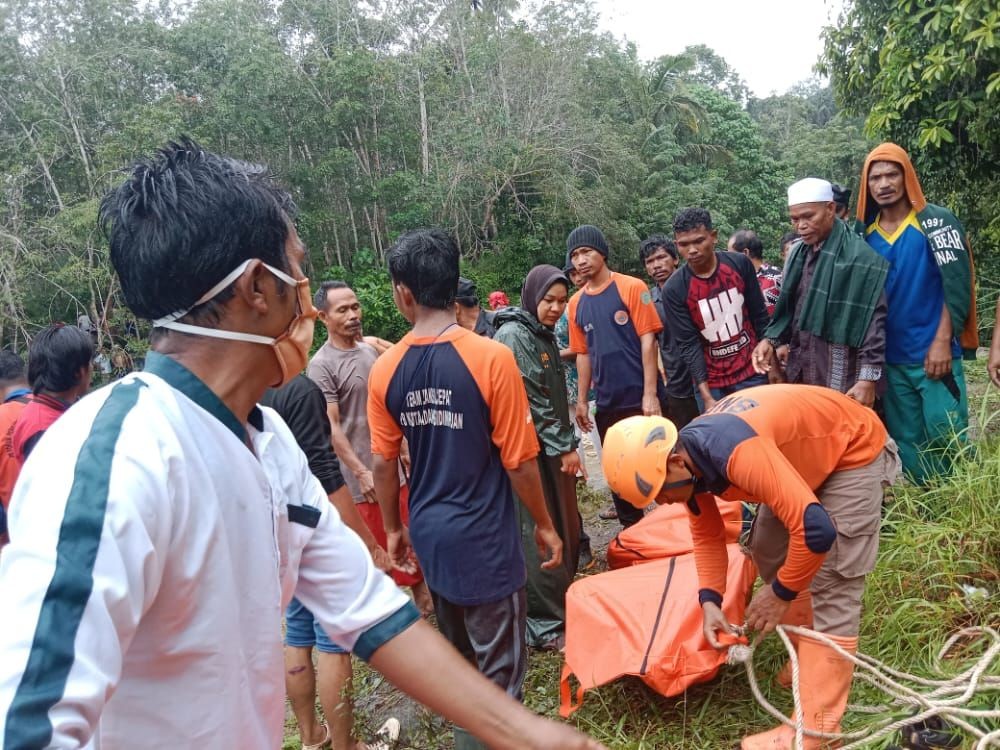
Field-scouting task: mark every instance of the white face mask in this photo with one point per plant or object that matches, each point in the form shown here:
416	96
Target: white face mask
291	348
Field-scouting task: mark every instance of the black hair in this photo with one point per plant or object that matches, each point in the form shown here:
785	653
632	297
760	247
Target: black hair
653	243
11	368
788	237
320	299
688	219
841	195
466	294
55	357
426	262
747	239
183	220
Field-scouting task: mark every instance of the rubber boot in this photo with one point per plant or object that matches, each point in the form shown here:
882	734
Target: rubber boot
799	614
824	684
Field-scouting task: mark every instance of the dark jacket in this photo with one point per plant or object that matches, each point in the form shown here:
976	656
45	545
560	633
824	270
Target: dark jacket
537	356
679	384
302	405
485	324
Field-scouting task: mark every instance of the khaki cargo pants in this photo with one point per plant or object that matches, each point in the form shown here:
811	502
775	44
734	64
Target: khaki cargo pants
853	498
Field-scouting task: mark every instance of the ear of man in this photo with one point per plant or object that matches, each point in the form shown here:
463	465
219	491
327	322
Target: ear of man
251	288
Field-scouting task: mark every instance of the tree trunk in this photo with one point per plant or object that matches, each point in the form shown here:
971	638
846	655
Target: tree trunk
372	231
38	156
354	224
425	144
85	160
465	67
336	246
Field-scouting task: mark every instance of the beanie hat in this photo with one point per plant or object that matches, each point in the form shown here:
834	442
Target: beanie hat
586	236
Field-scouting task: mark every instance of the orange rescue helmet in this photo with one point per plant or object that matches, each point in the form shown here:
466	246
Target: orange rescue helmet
634	457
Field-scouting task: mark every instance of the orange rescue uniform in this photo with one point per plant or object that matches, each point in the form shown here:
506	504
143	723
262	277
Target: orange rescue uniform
753	446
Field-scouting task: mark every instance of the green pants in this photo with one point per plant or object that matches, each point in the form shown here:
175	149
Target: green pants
924	417
546	589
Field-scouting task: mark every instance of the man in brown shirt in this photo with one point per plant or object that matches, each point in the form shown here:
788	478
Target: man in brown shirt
341	368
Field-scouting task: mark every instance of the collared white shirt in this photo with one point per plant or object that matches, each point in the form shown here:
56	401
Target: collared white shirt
152	556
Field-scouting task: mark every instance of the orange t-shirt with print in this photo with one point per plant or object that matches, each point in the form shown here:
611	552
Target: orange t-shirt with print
10	466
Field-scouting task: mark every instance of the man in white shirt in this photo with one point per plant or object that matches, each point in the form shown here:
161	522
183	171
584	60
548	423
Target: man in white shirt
160	528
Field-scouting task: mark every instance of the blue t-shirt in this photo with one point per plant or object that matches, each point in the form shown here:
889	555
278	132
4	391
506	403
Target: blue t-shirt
914	292
459	400
607	323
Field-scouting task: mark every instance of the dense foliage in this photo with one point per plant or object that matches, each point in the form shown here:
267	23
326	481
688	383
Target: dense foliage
507	125
926	75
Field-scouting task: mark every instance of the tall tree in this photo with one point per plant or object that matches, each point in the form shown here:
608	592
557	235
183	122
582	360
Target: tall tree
926	75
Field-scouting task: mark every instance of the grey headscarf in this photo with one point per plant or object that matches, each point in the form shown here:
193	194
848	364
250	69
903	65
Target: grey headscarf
537	283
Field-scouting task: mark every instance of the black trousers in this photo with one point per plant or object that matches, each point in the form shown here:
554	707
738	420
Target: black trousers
680	411
628	514
491	636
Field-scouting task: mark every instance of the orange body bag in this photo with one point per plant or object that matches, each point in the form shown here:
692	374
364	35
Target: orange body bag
666	533
644	620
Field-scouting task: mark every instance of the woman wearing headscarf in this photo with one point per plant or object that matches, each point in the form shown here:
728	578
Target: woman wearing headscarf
527	331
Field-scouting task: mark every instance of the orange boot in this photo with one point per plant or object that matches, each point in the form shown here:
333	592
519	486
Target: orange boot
824	684
799	614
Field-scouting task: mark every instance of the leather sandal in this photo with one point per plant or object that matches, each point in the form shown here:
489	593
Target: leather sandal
320	745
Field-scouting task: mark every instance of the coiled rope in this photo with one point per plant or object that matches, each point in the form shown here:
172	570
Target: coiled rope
947	698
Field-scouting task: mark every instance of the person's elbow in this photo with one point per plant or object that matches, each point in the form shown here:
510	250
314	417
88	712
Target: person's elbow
382	467
524	472
522	469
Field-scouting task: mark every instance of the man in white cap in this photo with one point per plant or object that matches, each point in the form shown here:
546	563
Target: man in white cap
832	308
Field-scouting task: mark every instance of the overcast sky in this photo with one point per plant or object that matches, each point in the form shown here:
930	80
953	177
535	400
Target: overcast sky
772	44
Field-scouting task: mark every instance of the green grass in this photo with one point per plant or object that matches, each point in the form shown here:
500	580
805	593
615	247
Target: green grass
933	541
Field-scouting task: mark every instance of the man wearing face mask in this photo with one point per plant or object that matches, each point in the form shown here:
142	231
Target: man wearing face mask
165	522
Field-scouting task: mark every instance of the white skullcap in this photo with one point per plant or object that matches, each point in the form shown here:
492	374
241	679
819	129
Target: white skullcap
810	190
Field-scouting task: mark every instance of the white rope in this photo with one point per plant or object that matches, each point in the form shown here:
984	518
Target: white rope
947	697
